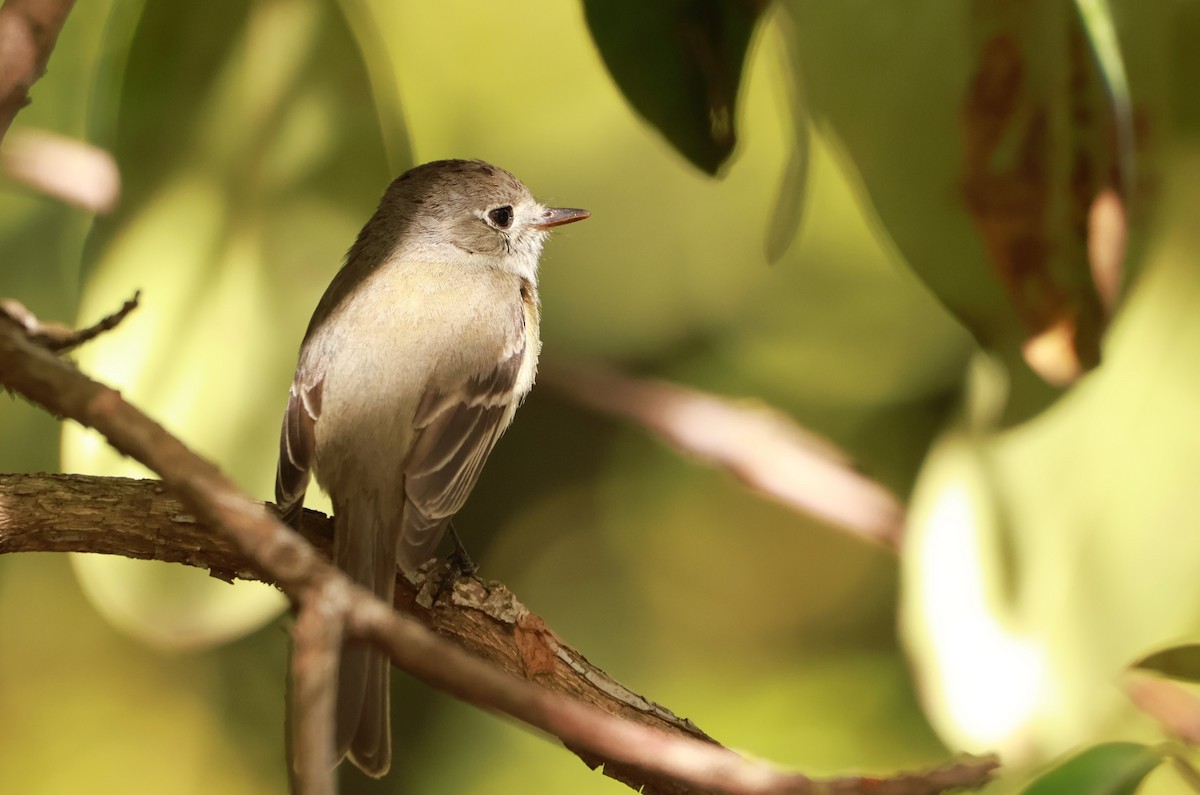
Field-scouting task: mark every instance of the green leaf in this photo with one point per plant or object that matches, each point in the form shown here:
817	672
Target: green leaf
1178	662
1109	769
982	134
679	64
789	206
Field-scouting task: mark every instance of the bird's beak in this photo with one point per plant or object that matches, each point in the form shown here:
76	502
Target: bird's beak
557	216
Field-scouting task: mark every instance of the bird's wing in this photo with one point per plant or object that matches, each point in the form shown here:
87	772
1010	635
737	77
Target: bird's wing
297	444
455	431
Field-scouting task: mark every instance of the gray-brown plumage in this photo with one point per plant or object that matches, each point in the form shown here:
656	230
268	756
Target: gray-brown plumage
413	365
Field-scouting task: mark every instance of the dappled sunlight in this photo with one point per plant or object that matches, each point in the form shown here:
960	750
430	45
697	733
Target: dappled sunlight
172	607
173	358
984	680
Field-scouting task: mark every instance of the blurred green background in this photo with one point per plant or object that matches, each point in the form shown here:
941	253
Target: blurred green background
254	139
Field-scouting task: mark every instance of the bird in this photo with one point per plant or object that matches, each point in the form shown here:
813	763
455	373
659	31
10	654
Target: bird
415	361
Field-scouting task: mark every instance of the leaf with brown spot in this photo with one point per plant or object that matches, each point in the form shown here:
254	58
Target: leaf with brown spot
982	133
1038	147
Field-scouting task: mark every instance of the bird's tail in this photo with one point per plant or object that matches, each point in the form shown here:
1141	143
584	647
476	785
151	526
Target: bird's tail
365	548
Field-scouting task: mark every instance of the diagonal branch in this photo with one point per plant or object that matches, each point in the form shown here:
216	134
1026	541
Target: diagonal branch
28	31
139	519
325	598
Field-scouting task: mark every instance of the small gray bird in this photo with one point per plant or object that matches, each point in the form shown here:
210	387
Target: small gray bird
413	365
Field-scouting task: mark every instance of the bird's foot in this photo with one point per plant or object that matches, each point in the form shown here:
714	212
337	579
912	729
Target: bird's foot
460	562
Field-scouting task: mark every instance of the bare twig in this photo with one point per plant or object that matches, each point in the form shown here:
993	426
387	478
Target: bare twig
1176	708
763	447
28	30
328	603
56	336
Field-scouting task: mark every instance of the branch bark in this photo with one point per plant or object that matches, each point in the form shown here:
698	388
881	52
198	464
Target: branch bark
140	519
330	604
28	31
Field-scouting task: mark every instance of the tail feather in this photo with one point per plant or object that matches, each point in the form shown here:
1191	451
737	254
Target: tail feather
365	548
371	748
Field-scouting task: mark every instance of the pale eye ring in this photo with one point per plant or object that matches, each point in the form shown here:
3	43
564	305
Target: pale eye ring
502	217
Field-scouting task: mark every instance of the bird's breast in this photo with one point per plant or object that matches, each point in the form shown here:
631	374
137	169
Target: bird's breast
408	328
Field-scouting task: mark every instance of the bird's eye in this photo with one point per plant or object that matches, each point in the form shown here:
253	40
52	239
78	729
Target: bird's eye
501	216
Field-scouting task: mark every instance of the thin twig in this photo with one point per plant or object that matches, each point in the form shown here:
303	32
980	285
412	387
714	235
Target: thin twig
703	766
56	336
1176	708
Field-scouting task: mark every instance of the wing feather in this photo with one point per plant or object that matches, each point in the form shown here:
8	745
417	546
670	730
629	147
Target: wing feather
456	430
297	446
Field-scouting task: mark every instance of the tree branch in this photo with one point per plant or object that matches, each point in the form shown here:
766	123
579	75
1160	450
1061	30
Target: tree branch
329	604
139	519
28	31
